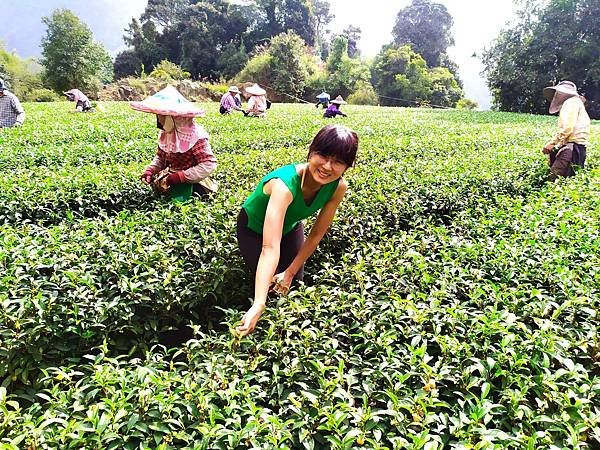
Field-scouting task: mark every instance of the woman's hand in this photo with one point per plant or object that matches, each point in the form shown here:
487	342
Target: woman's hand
282	282
250	319
547	149
146	177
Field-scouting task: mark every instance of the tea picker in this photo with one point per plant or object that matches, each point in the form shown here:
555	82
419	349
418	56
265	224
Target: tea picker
568	146
184	159
82	103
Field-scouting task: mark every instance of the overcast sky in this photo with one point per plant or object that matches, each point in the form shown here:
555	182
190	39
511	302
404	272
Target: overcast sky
476	24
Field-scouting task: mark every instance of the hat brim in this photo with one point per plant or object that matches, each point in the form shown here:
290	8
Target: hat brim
551	90
163	109
339	102
256	91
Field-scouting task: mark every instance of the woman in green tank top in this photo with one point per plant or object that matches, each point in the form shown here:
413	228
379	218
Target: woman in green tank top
270	231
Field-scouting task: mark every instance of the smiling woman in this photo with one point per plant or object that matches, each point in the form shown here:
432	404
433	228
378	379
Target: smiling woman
270	230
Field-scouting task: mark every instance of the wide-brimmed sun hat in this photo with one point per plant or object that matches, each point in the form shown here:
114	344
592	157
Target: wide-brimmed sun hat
338	100
255	89
233	89
168	102
2	85
323	96
559	93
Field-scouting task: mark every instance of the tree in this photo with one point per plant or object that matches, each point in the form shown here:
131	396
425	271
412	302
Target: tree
232	59
210	27
344	73
22	76
147	49
288	73
284	66
165	13
352	34
402	78
532	54
425	26
272	17
322	18
70	56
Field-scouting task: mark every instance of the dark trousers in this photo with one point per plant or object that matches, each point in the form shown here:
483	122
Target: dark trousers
251	242
563	160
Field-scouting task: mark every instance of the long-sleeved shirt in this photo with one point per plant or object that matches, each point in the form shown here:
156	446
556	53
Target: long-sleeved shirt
332	111
257	105
228	102
197	163
573	124
11	111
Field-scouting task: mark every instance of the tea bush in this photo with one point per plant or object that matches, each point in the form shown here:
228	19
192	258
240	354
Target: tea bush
453	304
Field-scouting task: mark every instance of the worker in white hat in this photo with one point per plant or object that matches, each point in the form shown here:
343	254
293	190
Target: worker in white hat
568	146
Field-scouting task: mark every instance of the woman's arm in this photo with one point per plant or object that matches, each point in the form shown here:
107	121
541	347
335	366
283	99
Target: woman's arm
566	124
317	232
157	164
279	200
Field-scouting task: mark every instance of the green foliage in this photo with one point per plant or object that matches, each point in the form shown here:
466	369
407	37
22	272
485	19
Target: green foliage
401	77
465	103
285	66
139	85
452	304
258	69
233	58
41	95
168	71
22	76
288	74
344	74
364	94
212	38
445	90
532	54
269	18
146	51
401	73
425	26
70	57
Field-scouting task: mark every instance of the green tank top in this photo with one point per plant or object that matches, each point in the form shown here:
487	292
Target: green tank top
256	205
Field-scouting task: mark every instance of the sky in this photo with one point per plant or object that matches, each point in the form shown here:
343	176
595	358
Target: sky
476	24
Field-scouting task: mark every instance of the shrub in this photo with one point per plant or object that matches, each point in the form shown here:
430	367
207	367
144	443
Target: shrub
168	71
41	95
465	103
364	95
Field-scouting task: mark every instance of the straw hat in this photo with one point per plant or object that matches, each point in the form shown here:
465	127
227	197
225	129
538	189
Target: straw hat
168	102
559	93
233	89
323	96
255	89
338	100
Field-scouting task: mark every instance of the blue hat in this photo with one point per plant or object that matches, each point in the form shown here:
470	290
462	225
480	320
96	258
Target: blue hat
2	85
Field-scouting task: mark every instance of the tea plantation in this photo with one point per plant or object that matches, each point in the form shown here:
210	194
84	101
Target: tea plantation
453	304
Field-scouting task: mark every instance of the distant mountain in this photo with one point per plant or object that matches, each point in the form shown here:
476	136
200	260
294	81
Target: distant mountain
22	27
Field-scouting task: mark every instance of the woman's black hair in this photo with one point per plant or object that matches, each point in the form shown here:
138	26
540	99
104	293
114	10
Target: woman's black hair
336	141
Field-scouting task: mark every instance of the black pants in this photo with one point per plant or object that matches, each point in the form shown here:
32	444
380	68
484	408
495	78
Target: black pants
251	242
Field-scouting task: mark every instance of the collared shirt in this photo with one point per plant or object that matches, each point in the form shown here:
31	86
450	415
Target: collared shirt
11	111
228	102
573	124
